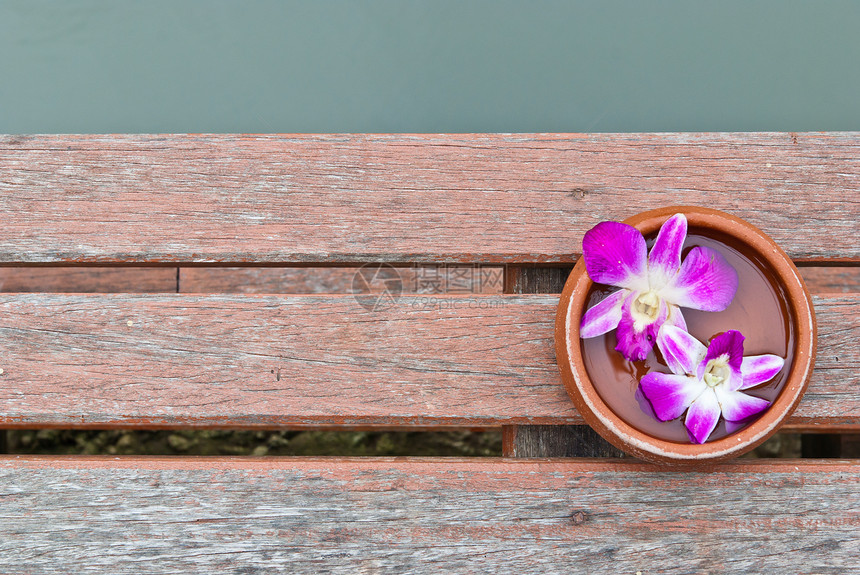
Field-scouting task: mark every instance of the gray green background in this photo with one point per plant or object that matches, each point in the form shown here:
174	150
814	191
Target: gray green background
428	66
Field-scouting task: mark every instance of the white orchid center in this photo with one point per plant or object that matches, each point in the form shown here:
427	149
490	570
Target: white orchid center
717	371
647	306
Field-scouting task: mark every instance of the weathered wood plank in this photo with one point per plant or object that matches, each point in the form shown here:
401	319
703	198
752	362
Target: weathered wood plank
88	280
299	280
343	280
556	441
818	279
298	515
242	360
536	279
829	279
404	198
266	280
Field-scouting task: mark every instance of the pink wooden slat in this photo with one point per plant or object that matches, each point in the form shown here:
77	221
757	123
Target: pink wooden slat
402	198
826	279
343	280
297	280
265	361
312	515
88	280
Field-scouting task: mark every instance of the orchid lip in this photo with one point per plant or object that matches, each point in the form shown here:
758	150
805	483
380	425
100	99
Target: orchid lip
716	372
647	305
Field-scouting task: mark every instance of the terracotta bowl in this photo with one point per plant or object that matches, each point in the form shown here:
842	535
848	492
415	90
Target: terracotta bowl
639	444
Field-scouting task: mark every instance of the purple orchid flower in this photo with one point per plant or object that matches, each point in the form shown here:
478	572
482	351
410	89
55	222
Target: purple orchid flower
653	286
707	382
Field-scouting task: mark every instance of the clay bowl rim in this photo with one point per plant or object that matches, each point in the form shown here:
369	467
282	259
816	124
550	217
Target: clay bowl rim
624	436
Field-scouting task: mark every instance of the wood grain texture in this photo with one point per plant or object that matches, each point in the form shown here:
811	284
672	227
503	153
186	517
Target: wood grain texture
274	199
342	280
557	441
88	280
305	280
536	279
297	515
337	280
269	361
829	279
819	279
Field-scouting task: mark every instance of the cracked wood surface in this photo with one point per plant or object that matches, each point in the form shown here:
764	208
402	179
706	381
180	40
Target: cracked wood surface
156	360
413	515
276	199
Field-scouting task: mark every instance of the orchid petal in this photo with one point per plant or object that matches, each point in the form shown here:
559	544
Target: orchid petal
732	426
604	316
702	416
737	406
730	344
706	281
675	317
682	351
757	369
616	254
643	403
665	257
636	339
670	394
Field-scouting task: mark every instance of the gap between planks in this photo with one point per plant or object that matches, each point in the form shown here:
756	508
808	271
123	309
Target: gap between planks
312	280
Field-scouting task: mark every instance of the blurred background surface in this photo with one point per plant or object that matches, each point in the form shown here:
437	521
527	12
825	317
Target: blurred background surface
104	66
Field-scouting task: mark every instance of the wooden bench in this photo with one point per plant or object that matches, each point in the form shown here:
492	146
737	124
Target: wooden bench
190	209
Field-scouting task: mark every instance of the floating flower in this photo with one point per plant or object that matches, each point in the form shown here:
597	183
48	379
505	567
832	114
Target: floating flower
707	382
653	286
